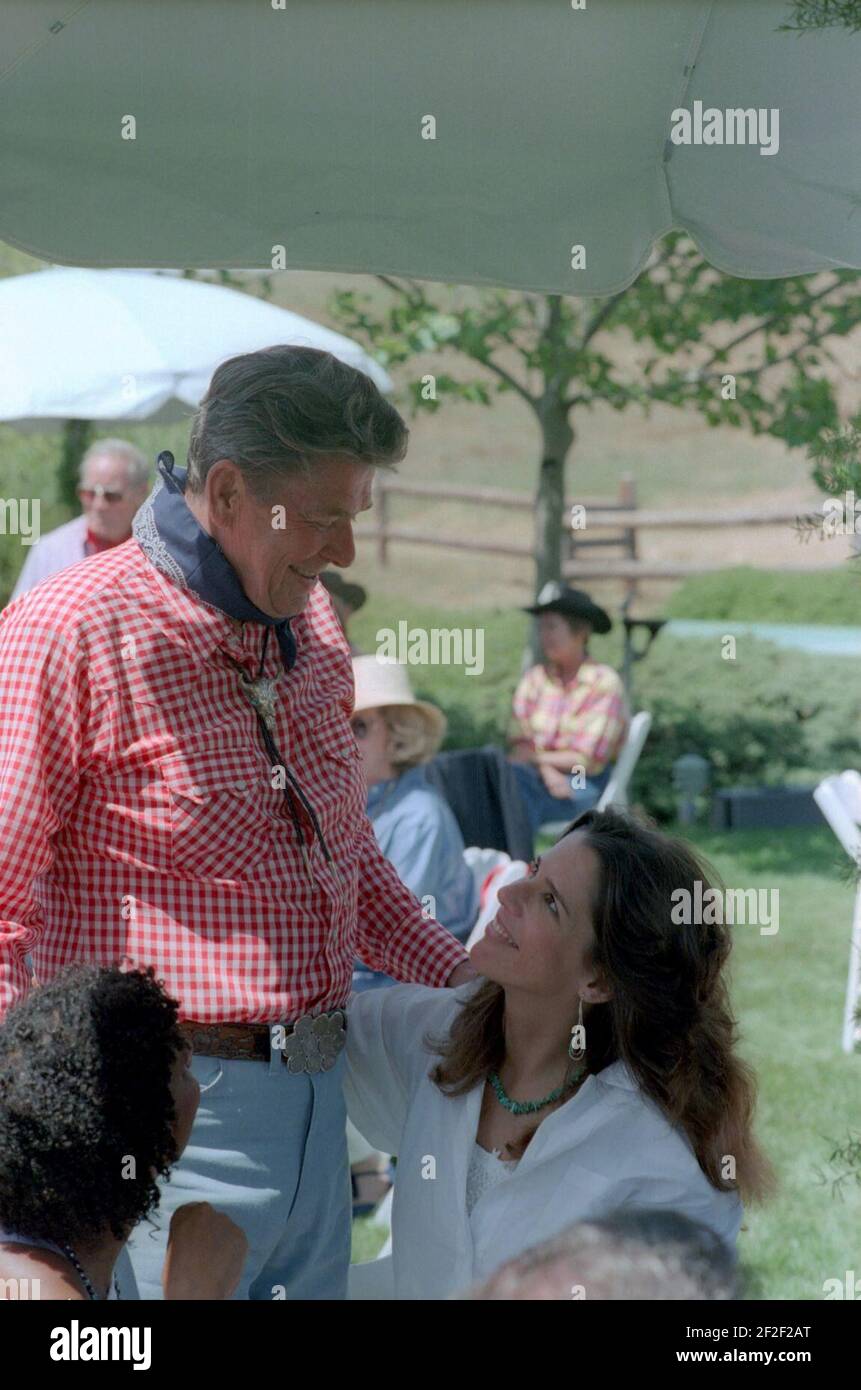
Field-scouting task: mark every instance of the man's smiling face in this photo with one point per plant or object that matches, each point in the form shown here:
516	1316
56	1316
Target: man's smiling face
278	548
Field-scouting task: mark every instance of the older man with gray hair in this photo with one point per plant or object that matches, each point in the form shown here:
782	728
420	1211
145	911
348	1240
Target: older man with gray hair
180	787
630	1254
114	481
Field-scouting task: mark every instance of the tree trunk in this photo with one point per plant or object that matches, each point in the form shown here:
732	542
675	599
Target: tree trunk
76	436
557	436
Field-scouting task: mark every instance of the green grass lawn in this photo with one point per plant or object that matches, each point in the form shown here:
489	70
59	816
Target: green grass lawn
788	991
368	1240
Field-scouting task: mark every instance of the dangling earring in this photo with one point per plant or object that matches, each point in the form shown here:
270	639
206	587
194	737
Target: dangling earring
577	1045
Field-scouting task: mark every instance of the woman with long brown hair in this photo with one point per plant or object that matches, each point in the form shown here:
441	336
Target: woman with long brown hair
592	1068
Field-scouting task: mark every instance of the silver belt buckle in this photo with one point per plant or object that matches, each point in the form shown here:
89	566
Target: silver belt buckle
315	1042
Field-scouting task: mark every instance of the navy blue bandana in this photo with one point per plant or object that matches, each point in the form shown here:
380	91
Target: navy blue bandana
173	540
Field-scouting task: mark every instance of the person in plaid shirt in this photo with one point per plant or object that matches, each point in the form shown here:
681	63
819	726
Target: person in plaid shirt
180	788
569	714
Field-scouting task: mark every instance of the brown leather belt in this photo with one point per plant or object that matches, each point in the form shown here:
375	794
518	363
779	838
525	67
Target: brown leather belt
309	1045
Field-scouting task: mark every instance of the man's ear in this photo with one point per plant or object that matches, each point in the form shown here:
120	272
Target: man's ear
223	491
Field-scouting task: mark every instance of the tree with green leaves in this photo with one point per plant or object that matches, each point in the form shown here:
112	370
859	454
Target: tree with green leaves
836	457
810	15
750	353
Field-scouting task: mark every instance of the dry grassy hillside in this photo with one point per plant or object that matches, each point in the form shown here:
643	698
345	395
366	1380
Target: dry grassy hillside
676	459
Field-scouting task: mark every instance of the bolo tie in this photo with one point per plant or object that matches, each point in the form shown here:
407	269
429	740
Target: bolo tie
261	693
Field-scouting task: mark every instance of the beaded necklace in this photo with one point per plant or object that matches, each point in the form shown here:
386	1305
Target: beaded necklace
529	1107
84	1277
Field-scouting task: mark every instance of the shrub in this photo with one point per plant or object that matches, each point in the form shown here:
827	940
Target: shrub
770	716
831	597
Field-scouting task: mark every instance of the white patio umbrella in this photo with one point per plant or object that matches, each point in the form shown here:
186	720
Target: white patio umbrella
130	346
467	142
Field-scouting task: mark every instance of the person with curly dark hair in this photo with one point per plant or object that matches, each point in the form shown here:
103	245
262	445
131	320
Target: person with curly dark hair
96	1103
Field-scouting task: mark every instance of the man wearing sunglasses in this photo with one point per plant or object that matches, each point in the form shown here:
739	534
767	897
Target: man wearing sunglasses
115	479
181	788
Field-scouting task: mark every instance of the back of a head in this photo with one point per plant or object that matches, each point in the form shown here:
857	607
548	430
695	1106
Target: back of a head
86	1111
629	1255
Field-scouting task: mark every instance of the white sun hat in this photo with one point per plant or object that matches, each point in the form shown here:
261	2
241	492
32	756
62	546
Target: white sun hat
380	683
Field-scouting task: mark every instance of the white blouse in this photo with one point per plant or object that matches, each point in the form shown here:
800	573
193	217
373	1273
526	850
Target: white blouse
608	1147
486	1169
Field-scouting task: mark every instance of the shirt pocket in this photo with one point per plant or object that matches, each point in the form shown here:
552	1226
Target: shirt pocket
336	787
220	824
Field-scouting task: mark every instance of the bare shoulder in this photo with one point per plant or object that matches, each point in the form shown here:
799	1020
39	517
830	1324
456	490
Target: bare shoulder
43	1270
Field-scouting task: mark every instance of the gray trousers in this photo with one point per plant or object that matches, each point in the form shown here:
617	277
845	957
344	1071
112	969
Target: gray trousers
269	1149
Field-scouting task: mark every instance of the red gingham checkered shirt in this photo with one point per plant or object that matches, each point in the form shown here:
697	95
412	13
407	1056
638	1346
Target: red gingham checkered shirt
138	815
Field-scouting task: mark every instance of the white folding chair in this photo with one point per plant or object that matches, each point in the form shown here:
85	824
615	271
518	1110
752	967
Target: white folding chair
480	862
383	1217
616	791
839	800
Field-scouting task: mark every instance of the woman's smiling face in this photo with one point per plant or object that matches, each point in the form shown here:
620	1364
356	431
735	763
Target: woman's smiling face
542	938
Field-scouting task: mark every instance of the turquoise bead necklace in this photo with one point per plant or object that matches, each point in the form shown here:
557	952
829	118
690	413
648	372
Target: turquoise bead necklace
529	1107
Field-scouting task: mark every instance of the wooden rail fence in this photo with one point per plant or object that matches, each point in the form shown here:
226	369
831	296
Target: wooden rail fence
619	520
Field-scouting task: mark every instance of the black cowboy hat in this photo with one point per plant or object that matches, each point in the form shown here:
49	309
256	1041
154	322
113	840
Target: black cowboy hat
574	603
352	594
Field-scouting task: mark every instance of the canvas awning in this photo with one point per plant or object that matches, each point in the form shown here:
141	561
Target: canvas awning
302	127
